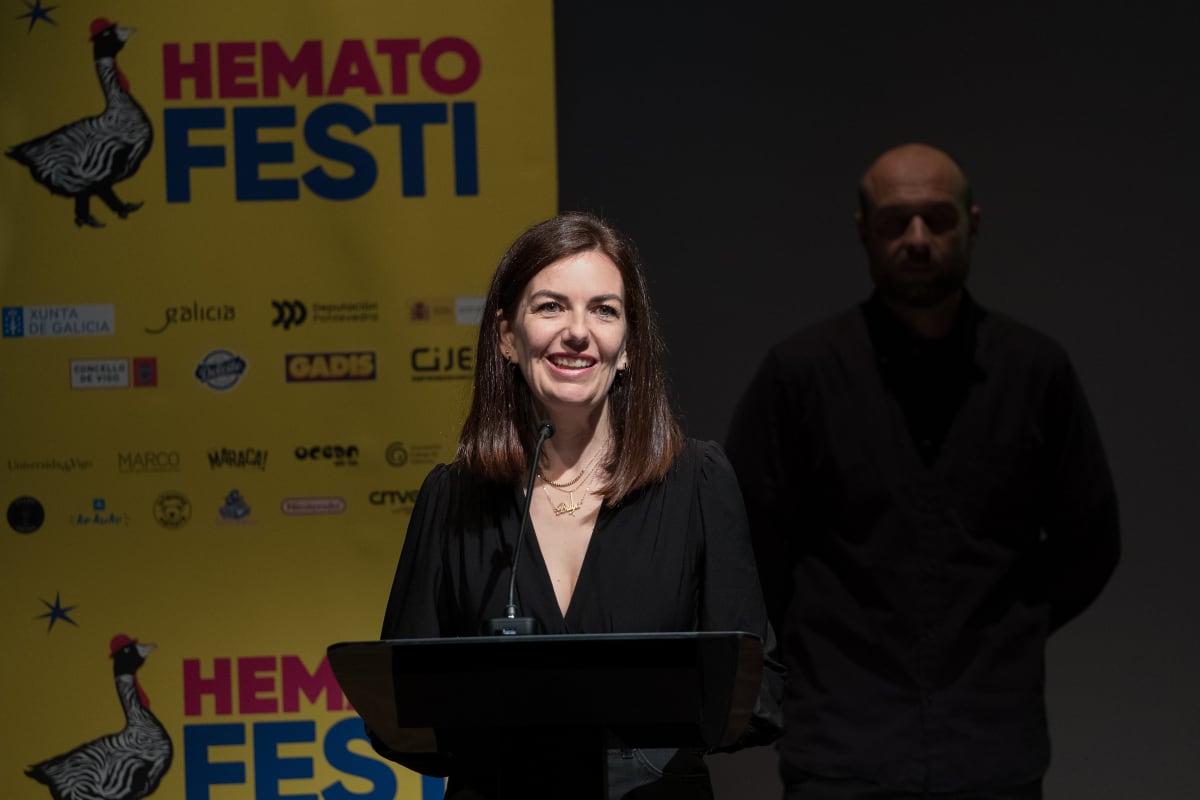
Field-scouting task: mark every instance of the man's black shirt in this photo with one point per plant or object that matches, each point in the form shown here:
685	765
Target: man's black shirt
914	585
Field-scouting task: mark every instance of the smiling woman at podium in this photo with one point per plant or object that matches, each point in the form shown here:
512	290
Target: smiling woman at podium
631	526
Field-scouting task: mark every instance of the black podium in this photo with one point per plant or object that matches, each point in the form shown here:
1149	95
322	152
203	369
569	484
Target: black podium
541	712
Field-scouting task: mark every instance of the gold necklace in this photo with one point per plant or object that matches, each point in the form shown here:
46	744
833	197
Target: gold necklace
568	485
568	508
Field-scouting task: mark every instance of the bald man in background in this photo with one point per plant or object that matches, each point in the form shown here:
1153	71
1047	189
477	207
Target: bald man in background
929	500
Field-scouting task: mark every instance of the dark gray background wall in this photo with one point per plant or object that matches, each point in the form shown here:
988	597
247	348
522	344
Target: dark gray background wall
727	140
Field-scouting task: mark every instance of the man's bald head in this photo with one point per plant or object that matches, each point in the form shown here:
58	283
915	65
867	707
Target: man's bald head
917	223
909	161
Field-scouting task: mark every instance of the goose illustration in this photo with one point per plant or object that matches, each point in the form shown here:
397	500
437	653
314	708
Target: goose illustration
127	765
88	156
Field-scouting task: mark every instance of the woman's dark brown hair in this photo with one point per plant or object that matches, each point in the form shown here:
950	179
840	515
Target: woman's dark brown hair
498	437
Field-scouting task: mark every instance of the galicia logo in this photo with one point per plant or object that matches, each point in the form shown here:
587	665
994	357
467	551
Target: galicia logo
194	313
320	367
442	363
220	370
28	322
172	510
289	313
26	514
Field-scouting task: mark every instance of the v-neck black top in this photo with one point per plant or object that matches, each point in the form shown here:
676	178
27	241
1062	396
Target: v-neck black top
673	556
913	588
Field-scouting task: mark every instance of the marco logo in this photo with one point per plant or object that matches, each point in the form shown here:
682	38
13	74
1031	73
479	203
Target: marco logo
289	313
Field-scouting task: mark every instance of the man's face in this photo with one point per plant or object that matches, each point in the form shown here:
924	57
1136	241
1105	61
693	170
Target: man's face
917	230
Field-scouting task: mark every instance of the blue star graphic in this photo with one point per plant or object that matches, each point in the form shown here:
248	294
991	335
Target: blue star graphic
37	12
56	613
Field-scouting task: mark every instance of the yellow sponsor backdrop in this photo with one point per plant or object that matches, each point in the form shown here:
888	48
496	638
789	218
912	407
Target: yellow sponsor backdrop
350	199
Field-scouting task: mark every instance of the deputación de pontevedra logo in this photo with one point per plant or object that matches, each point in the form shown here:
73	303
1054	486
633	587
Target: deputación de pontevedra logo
291	313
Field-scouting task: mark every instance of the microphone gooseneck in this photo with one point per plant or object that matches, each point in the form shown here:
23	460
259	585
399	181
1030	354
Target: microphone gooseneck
511	624
545	431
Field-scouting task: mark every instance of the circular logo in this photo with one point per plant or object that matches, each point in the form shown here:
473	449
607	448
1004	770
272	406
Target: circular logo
172	510
396	454
25	514
220	370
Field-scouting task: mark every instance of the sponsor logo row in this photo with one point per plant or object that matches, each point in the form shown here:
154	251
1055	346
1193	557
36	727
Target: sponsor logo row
174	509
254	459
222	369
99	319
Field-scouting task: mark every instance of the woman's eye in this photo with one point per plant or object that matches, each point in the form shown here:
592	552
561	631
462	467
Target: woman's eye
548	307
607	311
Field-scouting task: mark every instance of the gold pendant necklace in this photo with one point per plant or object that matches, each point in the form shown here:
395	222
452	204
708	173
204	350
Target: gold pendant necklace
566	486
565	508
569	508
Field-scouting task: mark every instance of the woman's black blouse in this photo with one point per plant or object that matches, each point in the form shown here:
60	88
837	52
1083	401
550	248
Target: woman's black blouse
674	556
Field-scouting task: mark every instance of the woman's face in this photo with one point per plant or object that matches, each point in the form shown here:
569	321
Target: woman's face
568	332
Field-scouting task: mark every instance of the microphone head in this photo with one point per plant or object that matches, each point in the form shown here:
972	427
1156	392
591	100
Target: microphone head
546	428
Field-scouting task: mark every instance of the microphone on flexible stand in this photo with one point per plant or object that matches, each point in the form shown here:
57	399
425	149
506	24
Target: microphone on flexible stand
511	624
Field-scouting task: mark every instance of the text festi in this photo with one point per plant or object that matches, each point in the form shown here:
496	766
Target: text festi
337	131
218	753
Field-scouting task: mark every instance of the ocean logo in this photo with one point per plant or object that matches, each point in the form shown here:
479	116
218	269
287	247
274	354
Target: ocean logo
221	370
88	156
126	765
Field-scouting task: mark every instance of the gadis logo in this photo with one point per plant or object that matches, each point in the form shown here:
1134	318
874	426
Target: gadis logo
319	367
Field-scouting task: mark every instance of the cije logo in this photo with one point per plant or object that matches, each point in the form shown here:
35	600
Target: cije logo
289	313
